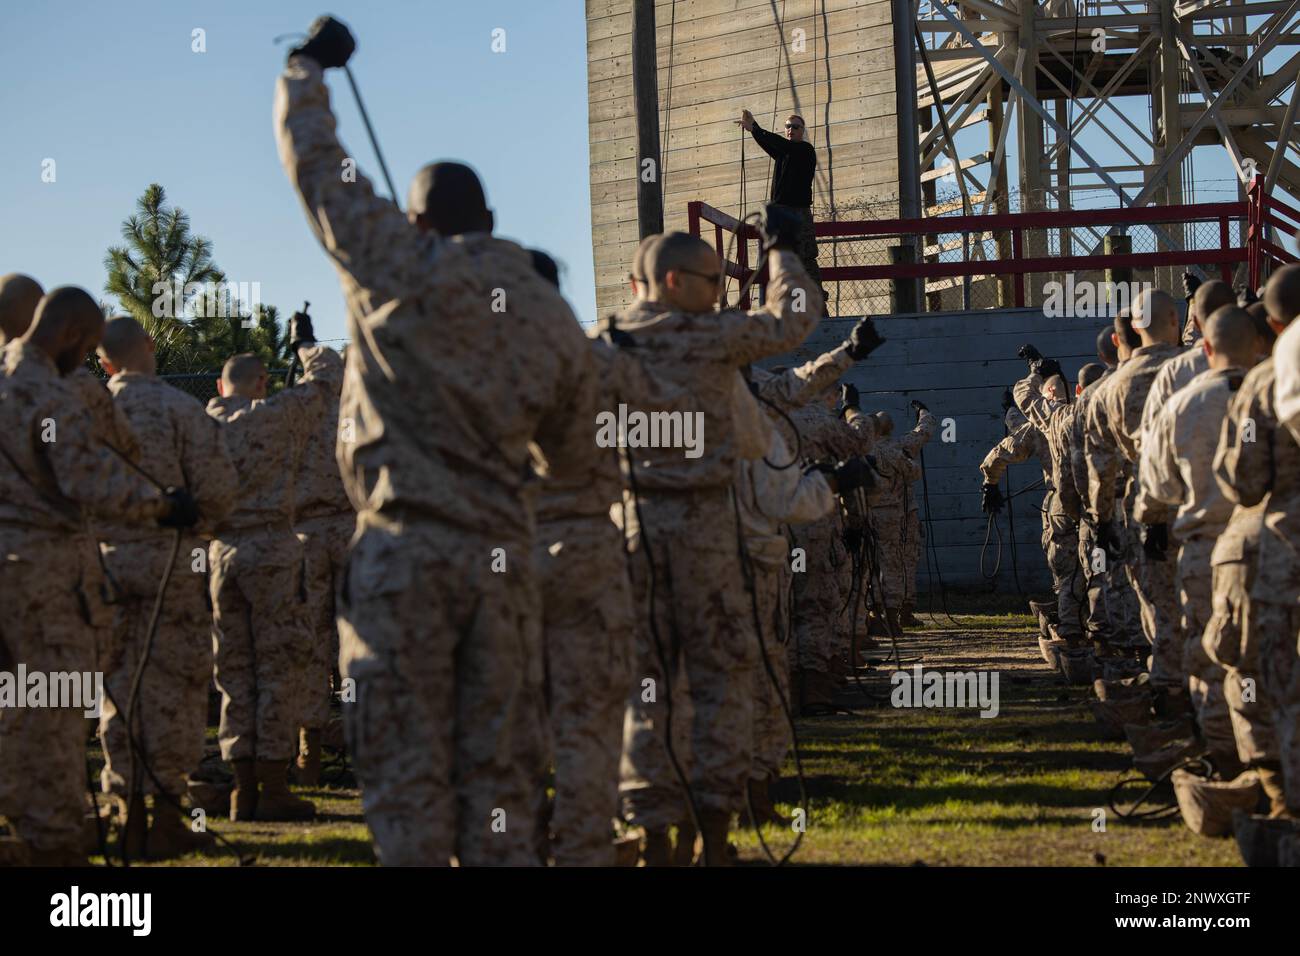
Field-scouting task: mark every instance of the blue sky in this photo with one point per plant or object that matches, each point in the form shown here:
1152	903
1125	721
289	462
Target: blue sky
113	93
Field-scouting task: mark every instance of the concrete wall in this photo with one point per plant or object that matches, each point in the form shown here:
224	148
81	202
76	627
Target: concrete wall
833	58
958	364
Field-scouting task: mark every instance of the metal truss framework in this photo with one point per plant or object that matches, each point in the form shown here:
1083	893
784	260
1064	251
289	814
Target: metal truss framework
1063	69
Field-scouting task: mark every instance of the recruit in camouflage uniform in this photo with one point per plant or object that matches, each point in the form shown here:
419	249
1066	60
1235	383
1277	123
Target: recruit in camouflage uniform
1112	611
261	626
821	586
1054	420
1258	463
588	620
324	522
699	610
111	429
180	446
1111	433
1176	470
57	474
892	511
446	730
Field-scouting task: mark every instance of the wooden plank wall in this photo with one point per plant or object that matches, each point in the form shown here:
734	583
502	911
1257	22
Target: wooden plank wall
958	364
725	56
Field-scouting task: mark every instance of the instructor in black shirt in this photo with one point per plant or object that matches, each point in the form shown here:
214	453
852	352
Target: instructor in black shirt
795	162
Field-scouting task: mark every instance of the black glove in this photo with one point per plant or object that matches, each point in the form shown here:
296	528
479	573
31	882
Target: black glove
863	340
1029	353
1008	400
779	228
1155	541
853	539
917	407
300	331
1191	283
329	43
853	474
1108	541
1045	368
990	499
184	510
849	396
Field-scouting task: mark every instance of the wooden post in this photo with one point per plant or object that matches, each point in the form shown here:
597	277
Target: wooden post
645	89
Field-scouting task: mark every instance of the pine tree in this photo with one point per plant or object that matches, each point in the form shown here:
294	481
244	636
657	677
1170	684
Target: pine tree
159	252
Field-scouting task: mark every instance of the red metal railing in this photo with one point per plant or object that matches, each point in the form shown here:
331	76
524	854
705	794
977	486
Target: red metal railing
1264	211
1224	256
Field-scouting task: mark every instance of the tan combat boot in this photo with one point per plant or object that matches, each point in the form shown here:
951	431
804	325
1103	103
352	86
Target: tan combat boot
1270	779
171	836
243	799
716	824
307	765
274	801
657	849
759	808
908	616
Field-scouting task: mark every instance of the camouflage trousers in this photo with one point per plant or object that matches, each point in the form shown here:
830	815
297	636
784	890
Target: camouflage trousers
818	597
771	728
45	626
1155	583
914	543
587	626
1205	676
172	708
447	730
1233	639
702	620
1279	668
895	549
325	540
1061	546
262	641
1112	607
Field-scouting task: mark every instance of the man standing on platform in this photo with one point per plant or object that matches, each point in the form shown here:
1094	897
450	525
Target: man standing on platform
795	163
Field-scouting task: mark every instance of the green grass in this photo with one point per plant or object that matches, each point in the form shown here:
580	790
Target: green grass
892	786
934	787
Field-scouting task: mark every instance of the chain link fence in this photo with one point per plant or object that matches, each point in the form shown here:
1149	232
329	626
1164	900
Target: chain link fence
203	385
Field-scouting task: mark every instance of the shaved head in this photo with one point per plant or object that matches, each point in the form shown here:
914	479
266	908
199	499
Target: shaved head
1155	317
448	198
67	325
1282	294
679	267
126	346
639	274
1089	374
1230	333
1106	350
19	296
1125	332
1209	298
1259	315
244	375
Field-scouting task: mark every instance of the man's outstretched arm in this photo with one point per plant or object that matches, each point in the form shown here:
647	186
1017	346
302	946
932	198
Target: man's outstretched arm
357	228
